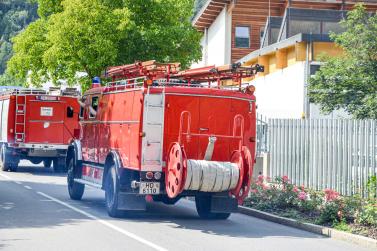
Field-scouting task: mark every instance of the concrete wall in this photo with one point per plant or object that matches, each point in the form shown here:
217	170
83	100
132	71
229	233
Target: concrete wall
216	47
281	94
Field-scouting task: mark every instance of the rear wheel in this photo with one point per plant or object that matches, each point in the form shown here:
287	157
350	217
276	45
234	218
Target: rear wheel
75	190
47	163
111	193
59	165
203	207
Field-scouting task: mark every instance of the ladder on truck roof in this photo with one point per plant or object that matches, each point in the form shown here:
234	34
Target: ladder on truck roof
20	118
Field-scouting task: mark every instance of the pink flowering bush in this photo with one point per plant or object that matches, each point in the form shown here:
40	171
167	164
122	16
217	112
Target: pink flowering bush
325	207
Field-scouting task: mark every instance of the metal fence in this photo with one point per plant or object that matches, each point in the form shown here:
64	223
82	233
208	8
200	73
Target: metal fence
262	129
324	153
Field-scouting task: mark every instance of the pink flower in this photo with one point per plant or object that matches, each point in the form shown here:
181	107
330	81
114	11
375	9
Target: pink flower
302	196
268	179
295	189
265	187
302	188
253	190
285	179
331	195
260	178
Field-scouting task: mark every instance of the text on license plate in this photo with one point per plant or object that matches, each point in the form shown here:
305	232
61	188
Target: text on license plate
149	188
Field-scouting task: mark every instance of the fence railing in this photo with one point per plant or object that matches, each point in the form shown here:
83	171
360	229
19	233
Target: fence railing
324	153
262	132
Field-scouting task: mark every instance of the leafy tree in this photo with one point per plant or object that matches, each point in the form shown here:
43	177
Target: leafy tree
15	15
350	81
88	35
8	80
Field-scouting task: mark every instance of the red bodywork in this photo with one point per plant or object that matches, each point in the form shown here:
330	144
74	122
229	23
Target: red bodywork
210	109
37	120
190	114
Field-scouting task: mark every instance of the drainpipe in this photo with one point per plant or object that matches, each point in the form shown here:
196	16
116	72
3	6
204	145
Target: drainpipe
206	46
306	107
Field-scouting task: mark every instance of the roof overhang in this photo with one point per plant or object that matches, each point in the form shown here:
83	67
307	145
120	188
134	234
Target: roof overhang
208	13
284	44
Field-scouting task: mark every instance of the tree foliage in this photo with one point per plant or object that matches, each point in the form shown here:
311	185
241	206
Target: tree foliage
15	15
88	35
350	81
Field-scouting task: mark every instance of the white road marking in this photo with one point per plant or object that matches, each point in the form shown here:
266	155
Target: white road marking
105	223
17	182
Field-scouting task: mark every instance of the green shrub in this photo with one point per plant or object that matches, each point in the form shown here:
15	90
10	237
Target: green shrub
330	213
372	187
368	214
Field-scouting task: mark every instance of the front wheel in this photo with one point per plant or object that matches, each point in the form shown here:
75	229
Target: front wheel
75	190
203	207
111	193
4	159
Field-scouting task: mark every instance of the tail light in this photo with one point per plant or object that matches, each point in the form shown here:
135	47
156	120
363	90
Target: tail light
149	175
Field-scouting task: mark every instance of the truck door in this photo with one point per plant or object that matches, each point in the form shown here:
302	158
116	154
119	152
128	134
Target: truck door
44	121
92	129
215	119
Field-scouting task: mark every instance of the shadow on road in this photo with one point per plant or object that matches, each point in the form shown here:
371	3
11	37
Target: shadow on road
21	208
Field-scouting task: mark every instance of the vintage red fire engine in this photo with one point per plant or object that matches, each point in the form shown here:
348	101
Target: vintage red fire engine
158	133
37	125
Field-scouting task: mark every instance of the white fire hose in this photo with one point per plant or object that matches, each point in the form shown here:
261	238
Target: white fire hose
211	176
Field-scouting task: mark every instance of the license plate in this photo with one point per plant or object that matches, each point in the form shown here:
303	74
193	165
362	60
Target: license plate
149	188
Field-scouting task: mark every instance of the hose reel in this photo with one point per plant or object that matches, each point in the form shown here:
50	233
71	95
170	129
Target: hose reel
208	176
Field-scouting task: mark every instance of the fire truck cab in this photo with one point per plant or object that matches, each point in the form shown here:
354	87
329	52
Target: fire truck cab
37	125
157	133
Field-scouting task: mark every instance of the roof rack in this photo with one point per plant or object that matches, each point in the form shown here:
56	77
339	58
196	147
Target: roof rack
151	69
21	91
163	74
31	91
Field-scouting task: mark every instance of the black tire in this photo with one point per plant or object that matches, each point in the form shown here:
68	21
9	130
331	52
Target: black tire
3	159
203	207
75	190
14	165
36	161
166	200
59	165
111	193
47	163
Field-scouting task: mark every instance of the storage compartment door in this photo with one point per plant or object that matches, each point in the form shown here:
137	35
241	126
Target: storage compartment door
45	122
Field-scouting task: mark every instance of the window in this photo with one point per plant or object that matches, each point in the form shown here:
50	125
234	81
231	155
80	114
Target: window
242	37
82	108
94	106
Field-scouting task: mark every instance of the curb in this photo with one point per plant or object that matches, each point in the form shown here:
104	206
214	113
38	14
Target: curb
329	232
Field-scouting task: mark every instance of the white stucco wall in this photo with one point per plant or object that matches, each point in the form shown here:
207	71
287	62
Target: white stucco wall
281	94
216	48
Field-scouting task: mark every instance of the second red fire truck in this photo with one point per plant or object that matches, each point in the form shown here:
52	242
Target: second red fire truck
37	125
158	133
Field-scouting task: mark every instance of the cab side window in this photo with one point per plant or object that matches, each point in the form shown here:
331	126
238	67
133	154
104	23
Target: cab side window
82	108
94	106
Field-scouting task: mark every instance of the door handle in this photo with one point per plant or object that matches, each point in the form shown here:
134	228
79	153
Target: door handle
203	129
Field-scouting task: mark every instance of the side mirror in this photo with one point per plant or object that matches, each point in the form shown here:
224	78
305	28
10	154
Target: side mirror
69	112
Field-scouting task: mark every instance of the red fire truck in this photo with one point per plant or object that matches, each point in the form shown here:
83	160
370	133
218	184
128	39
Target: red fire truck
37	125
157	133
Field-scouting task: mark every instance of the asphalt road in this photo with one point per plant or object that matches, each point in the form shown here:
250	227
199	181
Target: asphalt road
37	214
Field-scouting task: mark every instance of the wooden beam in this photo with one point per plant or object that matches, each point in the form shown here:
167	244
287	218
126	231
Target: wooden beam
281	59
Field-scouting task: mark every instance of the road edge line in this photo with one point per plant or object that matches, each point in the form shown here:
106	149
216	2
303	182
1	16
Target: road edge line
105	223
325	231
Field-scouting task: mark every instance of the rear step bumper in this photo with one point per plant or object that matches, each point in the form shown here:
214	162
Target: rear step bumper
43	146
